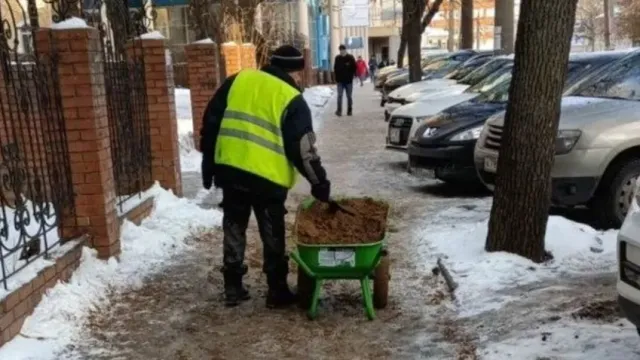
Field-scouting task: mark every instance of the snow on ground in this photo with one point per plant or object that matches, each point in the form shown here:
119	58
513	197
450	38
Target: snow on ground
190	159
569	341
577	249
146	250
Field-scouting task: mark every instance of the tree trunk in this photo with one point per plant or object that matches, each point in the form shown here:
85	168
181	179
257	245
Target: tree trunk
523	188
451	26
466	24
504	20
403	47
414	36
433	10
607	25
404	32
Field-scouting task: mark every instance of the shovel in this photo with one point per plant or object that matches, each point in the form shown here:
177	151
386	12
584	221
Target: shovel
334	207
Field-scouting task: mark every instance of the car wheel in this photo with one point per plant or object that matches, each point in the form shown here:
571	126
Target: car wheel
615	194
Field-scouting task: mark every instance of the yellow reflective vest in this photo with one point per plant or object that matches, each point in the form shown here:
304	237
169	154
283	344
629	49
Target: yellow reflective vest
250	137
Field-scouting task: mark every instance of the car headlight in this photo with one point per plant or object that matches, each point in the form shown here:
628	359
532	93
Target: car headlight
469	134
566	140
421	119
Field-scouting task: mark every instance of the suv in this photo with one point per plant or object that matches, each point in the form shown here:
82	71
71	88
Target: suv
598	143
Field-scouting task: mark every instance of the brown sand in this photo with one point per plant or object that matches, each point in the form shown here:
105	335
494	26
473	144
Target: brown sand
318	225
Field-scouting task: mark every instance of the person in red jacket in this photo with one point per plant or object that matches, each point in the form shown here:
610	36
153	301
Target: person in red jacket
361	69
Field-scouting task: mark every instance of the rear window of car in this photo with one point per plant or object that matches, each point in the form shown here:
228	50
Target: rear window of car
482	72
618	81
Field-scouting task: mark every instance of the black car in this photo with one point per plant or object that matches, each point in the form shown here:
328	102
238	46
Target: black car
444	143
380	79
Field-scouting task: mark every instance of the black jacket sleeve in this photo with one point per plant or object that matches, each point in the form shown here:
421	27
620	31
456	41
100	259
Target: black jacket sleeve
299	141
210	127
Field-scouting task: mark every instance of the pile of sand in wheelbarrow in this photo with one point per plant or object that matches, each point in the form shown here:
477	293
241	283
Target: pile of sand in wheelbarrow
319	225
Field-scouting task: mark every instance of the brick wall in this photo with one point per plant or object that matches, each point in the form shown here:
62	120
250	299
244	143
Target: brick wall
138	213
203	75
19	304
163	123
232	57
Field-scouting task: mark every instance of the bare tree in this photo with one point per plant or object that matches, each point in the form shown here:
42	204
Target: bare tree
587	21
523	188
629	21
430	9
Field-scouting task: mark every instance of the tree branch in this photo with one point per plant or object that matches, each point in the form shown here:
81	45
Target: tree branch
431	12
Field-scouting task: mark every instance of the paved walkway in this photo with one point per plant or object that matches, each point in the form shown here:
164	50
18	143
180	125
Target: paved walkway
179	315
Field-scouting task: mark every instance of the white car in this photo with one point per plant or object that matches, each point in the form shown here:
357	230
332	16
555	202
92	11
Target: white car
404	120
455	83
629	262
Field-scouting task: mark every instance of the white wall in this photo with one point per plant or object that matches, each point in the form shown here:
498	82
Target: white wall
359	31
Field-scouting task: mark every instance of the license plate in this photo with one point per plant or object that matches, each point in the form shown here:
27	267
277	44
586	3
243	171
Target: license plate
394	136
490	165
337	258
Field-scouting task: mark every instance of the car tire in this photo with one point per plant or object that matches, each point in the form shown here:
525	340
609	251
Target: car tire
615	191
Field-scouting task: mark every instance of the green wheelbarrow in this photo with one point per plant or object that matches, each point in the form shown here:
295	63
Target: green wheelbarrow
364	262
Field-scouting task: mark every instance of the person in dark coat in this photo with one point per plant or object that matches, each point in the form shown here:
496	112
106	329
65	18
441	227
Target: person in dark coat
344	68
373	66
257	131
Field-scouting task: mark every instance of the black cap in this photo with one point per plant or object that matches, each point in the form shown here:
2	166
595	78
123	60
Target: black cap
288	58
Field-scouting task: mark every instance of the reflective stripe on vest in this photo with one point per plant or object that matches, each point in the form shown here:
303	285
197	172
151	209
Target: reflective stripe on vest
250	137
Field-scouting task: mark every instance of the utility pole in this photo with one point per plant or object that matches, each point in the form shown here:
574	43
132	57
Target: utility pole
503	29
607	26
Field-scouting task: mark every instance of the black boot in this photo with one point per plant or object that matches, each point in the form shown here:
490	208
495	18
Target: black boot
349	112
234	291
279	294
338	112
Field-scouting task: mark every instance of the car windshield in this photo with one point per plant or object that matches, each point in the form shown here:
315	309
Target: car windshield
479	74
620	81
499	91
440	68
499	76
468	67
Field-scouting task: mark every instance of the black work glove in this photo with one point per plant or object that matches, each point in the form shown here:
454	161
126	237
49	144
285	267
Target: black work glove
322	191
207	176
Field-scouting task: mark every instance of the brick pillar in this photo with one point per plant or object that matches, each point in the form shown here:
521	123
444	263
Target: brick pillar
163	123
232	58
248	56
203	74
81	79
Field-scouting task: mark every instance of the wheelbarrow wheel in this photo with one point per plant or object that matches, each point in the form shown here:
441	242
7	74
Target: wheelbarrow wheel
381	283
306	285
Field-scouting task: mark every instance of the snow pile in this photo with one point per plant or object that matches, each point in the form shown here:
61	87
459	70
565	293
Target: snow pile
577	249
154	35
190	159
317	97
146	250
71	23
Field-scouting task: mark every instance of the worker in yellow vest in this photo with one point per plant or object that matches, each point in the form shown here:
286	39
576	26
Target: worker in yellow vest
257	131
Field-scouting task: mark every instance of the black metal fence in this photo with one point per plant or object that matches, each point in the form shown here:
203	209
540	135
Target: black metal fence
125	86
35	186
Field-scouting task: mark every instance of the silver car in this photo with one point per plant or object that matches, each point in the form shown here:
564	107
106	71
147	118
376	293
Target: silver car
598	144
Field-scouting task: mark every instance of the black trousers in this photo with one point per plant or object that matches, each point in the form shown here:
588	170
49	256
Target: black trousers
269	210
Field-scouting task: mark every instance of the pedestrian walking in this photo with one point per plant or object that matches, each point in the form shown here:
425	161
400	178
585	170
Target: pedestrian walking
361	70
344	69
257	131
373	67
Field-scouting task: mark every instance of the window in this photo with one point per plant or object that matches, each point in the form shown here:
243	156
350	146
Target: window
173	23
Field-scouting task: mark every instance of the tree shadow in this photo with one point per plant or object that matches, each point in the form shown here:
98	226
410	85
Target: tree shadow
447	190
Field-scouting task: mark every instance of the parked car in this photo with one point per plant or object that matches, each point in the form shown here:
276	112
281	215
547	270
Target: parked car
444	144
598	144
392	70
428	89
628	284
405	120
434	70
